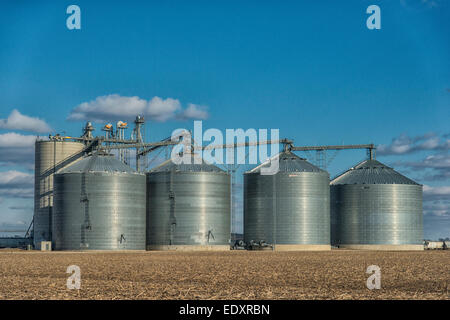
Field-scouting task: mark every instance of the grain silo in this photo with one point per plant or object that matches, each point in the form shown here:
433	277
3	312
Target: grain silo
289	210
48	153
188	207
99	205
374	207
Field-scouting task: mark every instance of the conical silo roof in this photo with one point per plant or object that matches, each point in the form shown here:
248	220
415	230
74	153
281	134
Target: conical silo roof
288	162
98	163
203	166
371	172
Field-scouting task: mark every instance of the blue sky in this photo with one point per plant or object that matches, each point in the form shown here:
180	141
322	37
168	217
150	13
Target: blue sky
310	68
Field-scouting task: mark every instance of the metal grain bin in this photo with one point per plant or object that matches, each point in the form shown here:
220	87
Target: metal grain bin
289	210
188	207
99	205
374	207
48	153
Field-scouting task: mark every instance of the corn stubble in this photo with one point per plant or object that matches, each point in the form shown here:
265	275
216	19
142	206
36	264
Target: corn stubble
224	275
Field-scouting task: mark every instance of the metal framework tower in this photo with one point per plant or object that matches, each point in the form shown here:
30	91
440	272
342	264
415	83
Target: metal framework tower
139	136
321	151
120	135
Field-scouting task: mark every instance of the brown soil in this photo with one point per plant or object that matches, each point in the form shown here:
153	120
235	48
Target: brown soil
337	274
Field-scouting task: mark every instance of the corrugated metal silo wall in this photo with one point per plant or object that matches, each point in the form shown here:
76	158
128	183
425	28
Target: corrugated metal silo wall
300	202
184	207
47	154
376	214
113	218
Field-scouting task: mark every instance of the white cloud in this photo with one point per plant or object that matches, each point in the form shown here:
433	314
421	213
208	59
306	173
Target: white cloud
17	148
432	168
16	140
14	178
111	107
16	184
438	161
194	111
436	201
116	107
430	143
436	191
162	110
404	144
435	166
437	208
18	121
